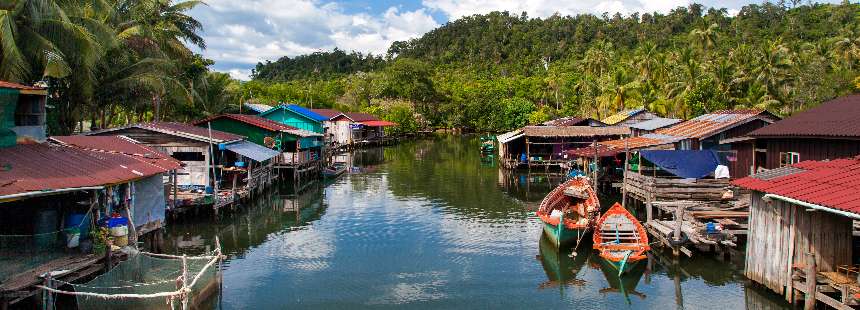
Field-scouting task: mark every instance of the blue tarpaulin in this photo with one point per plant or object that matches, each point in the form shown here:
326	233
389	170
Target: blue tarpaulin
686	164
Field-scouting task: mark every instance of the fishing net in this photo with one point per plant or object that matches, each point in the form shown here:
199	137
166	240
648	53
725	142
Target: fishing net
146	281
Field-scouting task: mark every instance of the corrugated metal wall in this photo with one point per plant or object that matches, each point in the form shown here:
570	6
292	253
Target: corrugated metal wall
780	235
811	149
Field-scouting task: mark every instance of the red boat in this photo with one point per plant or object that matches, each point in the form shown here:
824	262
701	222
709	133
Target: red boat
568	211
620	238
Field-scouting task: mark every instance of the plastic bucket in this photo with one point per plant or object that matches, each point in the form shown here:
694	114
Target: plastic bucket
80	221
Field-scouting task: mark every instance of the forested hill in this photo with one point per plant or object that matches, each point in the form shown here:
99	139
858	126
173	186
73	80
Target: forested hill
320	65
499	70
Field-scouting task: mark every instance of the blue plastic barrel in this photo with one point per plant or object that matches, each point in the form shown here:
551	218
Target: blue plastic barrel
80	221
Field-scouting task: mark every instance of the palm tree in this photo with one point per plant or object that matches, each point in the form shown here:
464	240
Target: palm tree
705	38
773	69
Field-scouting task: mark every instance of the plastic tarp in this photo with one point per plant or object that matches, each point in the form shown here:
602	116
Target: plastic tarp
149	201
252	150
695	164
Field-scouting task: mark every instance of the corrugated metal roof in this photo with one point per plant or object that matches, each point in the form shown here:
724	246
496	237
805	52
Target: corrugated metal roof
252	150
600	150
574	131
360	117
5	84
257	107
306	112
179	130
657	123
253	120
570	121
712	123
328	113
122	145
44	167
621	116
508	136
839	117
378	123
831	184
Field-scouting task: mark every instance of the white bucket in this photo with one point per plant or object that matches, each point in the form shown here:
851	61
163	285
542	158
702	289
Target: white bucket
119	231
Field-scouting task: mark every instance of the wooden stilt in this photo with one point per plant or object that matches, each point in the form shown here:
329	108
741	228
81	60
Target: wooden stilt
809	299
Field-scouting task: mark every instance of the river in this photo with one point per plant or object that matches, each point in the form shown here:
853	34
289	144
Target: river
429	224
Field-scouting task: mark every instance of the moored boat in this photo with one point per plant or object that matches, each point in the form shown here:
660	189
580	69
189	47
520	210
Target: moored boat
334	170
620	239
568	211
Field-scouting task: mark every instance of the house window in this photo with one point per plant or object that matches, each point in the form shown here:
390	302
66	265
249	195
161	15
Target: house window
189	156
788	158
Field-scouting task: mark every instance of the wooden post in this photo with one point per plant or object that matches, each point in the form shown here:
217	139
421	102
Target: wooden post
175	189
809	299
594	181
649	211
108	256
528	154
624	179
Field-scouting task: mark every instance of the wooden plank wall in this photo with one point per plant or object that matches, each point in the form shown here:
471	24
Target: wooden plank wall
781	233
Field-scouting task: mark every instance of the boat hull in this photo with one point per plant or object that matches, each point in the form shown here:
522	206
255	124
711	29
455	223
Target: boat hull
563	237
621	267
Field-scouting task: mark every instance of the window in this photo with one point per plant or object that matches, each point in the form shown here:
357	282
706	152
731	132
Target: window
189	156
788	158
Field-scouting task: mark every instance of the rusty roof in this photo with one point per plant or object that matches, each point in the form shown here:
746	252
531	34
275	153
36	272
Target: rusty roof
328	113
831	183
5	84
612	147
574	131
713	123
360	117
571	121
180	130
120	145
253	120
43	167
839	117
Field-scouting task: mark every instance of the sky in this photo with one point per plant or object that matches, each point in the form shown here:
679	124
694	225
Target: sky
241	33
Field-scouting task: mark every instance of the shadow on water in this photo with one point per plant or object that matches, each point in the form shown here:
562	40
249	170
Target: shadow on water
432	224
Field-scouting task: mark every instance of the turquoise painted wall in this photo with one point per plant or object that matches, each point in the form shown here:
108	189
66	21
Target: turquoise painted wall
294	119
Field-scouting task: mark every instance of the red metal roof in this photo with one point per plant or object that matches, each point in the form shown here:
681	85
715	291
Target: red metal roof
569	121
839	117
589	151
252	120
360	117
121	145
712	123
378	123
329	113
43	167
4	84
832	184
180	130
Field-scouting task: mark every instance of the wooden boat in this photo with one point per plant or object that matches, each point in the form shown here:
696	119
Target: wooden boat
488	144
335	170
561	269
568	211
620	239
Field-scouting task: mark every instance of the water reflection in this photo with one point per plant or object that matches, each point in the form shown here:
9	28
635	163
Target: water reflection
429	224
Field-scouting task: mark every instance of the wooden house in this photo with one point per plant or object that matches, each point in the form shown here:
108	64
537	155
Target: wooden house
195	147
801	230
629	117
366	128
22	113
52	196
828	131
298	147
336	129
533	146
296	117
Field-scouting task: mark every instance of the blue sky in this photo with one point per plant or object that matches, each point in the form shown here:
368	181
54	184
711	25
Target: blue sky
240	33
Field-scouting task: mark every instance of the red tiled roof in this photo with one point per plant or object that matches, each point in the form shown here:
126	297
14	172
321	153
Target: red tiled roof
709	124
832	184
839	117
43	167
121	145
360	117
4	84
378	123
252	120
329	113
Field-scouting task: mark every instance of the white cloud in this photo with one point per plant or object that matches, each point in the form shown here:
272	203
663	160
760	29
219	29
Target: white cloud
241	33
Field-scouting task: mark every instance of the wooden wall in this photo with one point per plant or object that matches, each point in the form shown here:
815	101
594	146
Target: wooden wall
744	159
780	235
810	149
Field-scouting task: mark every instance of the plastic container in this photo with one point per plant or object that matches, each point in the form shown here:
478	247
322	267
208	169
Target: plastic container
119	231
239	164
117	221
80	221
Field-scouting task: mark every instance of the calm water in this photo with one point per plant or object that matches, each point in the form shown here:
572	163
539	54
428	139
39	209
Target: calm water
428	224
